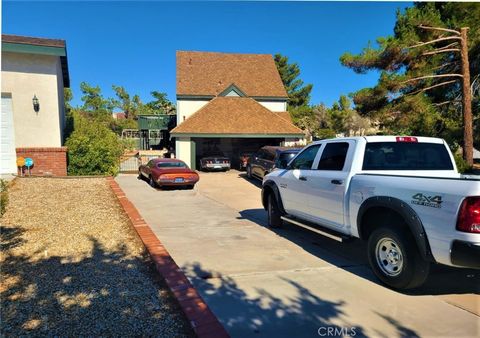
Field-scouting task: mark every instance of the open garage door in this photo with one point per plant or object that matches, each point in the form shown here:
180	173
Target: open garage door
231	147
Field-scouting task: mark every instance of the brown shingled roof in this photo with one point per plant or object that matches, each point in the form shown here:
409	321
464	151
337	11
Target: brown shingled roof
235	115
33	41
208	73
284	115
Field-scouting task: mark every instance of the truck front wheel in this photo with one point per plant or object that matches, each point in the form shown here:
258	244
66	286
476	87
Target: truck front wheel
395	258
274	217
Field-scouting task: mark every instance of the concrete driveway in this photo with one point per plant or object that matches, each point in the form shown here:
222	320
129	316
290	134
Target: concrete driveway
290	282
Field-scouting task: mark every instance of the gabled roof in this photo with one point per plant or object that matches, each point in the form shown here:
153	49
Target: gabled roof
284	115
230	89
43	46
209	73
236	116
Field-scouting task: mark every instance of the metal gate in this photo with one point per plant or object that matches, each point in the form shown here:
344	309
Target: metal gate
129	163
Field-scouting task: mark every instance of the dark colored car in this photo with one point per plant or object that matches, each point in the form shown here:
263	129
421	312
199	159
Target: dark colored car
214	161
162	172
269	158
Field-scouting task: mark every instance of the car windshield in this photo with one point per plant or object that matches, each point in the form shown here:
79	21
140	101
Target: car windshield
166	165
283	159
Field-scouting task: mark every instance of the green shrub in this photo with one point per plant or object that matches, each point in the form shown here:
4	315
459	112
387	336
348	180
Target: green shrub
324	133
3	196
462	165
129	144
93	149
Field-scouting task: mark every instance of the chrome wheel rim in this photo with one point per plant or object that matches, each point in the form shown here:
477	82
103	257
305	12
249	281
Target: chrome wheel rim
389	256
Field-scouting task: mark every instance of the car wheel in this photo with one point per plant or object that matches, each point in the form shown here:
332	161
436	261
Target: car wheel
140	176
152	182
190	187
395	258
274	217
249	171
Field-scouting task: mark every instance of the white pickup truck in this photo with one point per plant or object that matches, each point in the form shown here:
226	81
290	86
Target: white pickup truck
402	194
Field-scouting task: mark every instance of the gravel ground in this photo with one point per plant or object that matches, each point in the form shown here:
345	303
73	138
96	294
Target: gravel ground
71	265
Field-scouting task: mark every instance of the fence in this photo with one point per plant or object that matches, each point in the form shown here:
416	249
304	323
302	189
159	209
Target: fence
129	163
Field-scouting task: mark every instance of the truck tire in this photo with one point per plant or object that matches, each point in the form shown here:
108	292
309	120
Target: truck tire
395	258
274	216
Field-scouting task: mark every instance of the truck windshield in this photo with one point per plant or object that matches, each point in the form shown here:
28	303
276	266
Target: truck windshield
406	156
283	159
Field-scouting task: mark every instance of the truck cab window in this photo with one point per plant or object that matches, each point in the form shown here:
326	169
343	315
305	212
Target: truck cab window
305	159
333	156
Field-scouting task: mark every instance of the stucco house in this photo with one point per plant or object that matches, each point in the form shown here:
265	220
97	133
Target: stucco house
230	103
34	74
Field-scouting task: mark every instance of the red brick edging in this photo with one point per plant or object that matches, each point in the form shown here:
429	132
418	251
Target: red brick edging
202	319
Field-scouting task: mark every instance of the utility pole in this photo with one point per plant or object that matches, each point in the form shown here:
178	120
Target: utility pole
466	100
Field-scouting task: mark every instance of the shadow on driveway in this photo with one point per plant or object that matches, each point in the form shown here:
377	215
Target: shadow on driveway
267	314
352	256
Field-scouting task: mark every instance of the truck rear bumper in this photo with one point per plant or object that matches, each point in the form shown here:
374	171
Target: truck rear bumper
465	254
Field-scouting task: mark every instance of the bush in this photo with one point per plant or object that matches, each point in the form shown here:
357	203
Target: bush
3	196
93	149
462	165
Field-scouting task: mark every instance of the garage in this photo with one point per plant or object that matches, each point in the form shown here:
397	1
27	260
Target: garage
7	149
232	125
230	103
230	147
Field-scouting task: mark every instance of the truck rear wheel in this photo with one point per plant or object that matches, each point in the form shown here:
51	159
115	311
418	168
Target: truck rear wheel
395	258
274	217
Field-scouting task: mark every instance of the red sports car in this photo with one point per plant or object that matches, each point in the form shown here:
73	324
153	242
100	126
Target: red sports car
162	172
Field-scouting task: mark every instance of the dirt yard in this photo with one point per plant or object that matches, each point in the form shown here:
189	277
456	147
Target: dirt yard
71	265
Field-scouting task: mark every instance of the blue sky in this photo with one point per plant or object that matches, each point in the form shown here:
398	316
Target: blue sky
133	44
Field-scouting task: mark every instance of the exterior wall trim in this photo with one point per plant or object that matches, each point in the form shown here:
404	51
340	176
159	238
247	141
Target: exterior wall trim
209	97
239	135
33	49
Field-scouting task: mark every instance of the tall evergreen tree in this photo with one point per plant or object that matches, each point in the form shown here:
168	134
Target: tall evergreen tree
298	93
419	91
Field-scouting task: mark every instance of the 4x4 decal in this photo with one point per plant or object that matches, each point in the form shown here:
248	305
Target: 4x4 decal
427	201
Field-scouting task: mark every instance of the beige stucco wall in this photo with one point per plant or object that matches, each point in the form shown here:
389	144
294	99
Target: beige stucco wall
183	150
185	108
274	105
25	75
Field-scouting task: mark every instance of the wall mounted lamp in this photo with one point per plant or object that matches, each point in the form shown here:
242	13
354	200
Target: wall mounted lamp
36	103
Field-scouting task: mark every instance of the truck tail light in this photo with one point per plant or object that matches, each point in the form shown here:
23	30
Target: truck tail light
469	215
406	139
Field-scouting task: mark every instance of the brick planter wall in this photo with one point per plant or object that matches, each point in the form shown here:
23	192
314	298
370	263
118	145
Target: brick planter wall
46	161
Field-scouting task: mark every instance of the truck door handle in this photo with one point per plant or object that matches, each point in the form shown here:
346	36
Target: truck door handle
302	178
337	182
